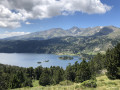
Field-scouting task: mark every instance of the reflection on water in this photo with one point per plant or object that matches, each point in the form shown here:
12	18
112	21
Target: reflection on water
31	59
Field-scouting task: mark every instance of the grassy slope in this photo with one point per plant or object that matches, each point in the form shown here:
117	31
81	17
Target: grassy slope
103	83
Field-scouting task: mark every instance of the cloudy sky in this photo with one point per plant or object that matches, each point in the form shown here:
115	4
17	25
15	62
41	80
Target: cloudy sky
19	17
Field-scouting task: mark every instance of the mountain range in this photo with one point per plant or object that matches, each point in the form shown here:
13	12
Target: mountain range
72	41
74	31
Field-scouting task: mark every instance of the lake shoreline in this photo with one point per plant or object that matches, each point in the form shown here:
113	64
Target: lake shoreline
31	59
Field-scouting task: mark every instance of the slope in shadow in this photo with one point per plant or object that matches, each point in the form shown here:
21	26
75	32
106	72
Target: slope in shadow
104	31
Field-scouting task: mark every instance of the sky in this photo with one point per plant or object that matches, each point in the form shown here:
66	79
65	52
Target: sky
19	17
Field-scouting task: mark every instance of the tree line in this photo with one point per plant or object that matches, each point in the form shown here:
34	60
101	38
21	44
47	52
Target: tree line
16	77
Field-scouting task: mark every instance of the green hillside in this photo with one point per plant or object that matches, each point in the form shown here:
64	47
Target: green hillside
103	83
65	45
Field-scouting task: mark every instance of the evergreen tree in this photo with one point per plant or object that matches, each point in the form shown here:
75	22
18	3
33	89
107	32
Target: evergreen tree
2	82
83	73
113	62
30	72
44	79
14	83
19	80
27	82
38	72
70	73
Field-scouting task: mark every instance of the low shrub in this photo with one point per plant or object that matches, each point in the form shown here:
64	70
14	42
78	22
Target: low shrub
77	86
66	82
89	83
112	83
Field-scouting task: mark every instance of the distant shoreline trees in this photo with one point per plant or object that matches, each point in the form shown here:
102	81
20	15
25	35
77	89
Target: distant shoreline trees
66	58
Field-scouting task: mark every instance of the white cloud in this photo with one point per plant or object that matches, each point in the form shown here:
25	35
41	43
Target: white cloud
9	19
28	23
86	6
9	24
11	34
17	11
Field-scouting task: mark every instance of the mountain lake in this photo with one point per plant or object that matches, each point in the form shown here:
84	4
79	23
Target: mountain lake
32	59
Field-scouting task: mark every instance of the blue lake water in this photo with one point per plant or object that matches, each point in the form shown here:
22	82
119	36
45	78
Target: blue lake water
31	59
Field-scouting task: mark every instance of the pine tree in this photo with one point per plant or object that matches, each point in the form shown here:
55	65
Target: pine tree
113	62
2	82
30	72
38	72
14	83
44	79
83	73
70	73
97	63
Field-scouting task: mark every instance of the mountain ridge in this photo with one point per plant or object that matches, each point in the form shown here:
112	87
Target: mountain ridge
59	32
57	41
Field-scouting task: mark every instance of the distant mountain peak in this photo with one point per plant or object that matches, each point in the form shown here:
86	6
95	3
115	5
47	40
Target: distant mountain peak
74	30
74	27
101	27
